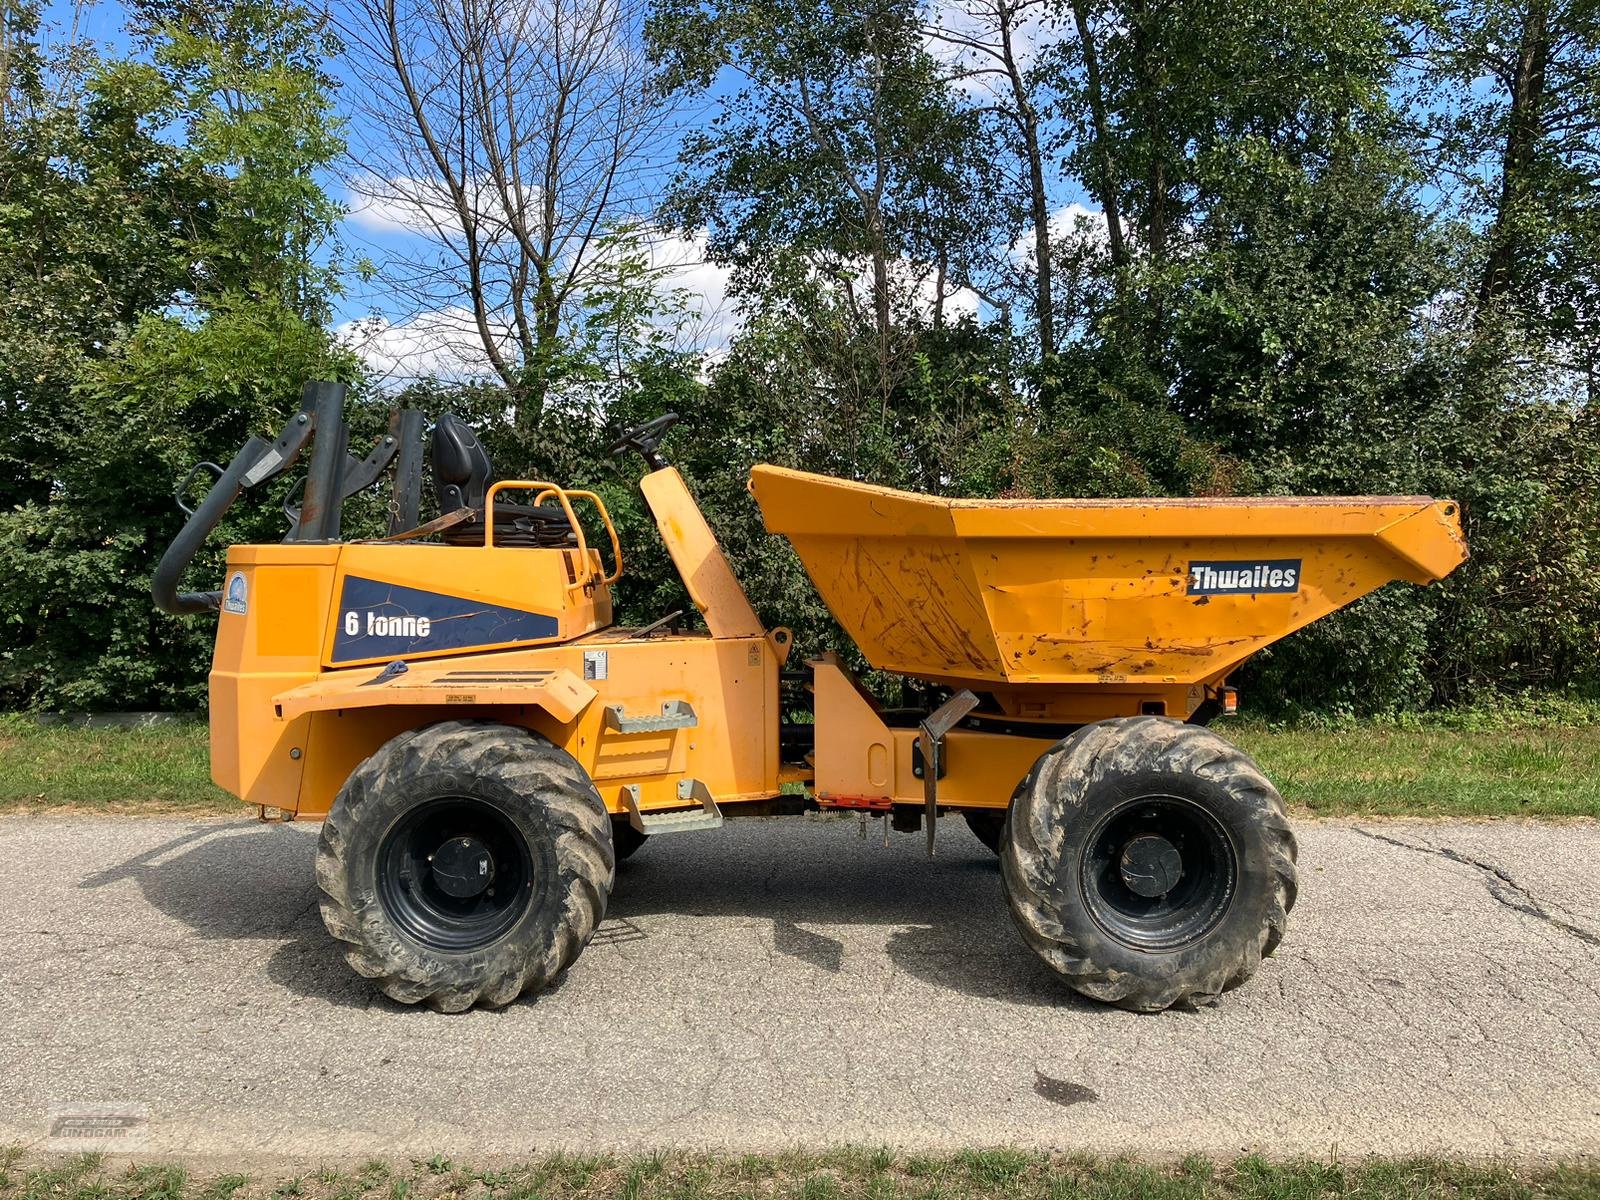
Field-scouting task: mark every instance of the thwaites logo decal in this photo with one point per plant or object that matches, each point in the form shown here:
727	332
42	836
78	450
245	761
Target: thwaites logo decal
1251	577
385	620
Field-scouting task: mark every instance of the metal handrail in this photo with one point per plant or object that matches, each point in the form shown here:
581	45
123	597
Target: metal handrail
545	490
605	517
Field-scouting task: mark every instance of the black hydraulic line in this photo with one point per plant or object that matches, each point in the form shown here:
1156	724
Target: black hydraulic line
164	584
258	460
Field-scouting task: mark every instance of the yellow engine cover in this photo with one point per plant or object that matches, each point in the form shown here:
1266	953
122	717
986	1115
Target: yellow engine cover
292	611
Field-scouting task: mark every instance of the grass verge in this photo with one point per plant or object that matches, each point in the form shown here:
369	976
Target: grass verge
1432	768
157	769
1429	771
838	1175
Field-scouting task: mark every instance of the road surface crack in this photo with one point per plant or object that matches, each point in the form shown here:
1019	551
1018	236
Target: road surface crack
1505	889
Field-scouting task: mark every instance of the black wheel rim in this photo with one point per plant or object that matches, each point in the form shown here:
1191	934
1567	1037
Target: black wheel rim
1158	873
455	873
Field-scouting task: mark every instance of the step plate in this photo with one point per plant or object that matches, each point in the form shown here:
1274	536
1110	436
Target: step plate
675	820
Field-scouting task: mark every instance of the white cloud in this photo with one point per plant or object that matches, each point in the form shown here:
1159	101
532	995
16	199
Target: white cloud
444	343
682	266
964	35
422	205
401	205
1070	221
920	279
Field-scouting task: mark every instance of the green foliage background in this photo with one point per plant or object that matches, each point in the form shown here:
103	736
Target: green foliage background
1296	308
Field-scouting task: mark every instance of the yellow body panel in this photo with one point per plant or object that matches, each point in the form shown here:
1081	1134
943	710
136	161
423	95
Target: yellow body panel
731	685
514	577
702	566
453	681
294	709
275	644
1048	596
861	762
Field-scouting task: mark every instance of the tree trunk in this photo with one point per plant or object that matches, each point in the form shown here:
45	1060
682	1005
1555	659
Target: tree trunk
882	316
1522	135
1106	187
1038	199
1158	216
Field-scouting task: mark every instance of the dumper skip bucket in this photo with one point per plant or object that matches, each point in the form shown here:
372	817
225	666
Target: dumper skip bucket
1098	592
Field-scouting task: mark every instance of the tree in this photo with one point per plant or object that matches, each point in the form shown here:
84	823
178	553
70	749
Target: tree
840	156
517	138
1513	109
251	90
1151	91
162	241
987	37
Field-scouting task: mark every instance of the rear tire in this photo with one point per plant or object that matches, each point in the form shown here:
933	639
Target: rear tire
465	863
1149	863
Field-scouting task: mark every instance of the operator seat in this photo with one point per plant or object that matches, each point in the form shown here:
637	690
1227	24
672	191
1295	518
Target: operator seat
461	475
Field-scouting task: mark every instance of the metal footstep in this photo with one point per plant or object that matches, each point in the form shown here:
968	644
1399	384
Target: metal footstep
675	820
675	714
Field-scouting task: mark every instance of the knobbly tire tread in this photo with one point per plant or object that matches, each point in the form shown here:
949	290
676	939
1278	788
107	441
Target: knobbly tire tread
558	811
1054	811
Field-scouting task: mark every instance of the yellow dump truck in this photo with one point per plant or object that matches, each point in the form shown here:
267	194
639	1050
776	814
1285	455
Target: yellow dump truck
482	742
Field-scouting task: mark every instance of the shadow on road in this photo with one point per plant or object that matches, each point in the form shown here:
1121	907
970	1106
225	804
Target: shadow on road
240	881
951	928
949	921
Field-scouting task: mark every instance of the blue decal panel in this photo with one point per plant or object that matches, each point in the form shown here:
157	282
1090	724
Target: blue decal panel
385	620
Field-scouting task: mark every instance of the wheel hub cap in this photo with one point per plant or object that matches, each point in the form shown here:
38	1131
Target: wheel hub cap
1158	872
462	867
1151	866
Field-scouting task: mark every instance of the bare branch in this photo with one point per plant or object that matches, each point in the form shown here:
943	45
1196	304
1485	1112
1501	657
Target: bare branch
506	137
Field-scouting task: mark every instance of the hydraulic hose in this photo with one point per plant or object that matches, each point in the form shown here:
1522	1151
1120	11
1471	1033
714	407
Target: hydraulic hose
205	518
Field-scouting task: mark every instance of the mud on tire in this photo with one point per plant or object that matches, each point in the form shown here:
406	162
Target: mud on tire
1149	863
465	863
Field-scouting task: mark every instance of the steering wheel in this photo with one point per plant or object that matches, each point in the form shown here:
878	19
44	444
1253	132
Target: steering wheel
645	439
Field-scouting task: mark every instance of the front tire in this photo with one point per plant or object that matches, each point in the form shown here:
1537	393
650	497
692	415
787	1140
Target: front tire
1149	863
465	863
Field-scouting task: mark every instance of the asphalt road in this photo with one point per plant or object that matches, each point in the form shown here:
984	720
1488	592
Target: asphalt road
784	982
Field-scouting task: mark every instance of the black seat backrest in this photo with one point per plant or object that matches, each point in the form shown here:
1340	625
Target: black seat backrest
461	466
461	474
